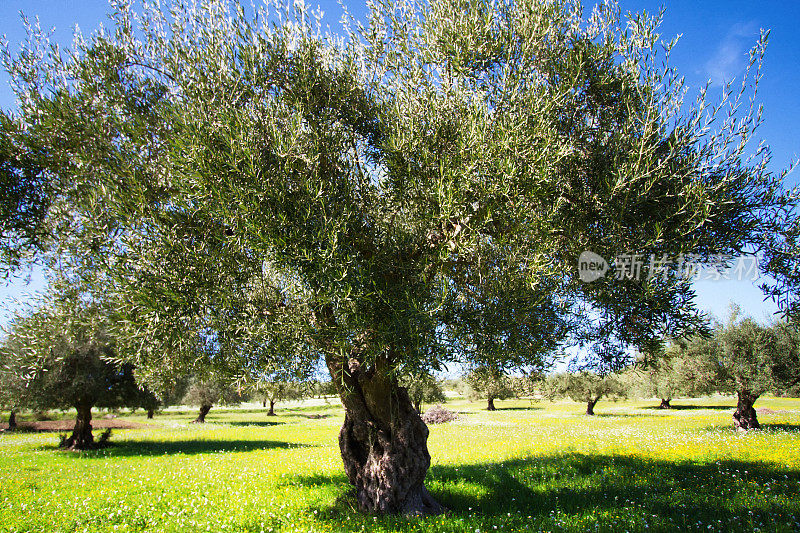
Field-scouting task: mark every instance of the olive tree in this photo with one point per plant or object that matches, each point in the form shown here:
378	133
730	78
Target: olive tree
423	388
12	383
488	383
675	370
280	391
208	390
748	359
161	395
585	387
62	354
414	191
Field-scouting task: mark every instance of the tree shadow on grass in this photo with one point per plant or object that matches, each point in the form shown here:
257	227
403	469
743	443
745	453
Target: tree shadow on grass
679	407
317	416
793	428
187	447
531	408
617	415
589	491
770	426
259	423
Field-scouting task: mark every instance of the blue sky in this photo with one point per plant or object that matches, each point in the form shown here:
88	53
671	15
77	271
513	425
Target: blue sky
716	35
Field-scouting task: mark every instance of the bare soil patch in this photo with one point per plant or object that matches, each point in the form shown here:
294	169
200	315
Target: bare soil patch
768	411
67	425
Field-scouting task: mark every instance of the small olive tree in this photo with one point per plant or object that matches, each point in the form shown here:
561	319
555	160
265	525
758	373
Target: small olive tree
12	383
62	354
209	390
280	391
674	371
490	384
584	386
423	388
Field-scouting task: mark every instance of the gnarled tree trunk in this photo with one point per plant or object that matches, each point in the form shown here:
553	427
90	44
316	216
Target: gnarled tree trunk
383	440
201	417
150	413
490	405
81	438
12	420
665	403
418	406
590	407
271	408
744	418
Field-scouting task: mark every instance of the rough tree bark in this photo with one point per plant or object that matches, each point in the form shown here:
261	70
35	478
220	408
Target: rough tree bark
383	440
150	413
12	420
201	418
590	407
81	438
744	418
490	405
665	403
271	408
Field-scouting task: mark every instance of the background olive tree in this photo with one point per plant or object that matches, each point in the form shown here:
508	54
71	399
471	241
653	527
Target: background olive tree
209	390
488	384
61	354
746	358
673	371
423	388
272	392
584	386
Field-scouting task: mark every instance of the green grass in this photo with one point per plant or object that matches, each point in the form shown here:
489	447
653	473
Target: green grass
525	467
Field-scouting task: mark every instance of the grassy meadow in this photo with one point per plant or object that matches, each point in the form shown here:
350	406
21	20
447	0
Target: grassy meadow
529	466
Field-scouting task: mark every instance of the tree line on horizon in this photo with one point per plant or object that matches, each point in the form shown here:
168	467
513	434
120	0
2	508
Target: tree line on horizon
739	357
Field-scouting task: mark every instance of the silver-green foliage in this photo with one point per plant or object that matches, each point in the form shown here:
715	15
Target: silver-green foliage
250	185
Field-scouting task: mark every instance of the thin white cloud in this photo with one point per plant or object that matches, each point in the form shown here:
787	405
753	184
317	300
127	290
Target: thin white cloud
731	55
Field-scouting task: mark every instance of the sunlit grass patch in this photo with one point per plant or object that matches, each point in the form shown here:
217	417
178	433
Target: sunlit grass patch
519	468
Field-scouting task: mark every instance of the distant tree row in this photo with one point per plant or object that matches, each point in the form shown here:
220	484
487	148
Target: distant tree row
738	356
63	352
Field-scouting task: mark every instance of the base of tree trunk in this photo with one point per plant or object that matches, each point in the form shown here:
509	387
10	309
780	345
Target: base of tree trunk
12	421
271	411
665	404
383	442
590	408
201	417
150	414
490	405
81	438
386	475
745	418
